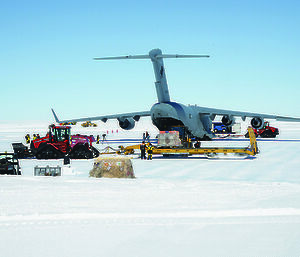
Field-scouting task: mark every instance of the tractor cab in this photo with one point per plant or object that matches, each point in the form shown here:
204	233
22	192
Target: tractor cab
59	133
266	124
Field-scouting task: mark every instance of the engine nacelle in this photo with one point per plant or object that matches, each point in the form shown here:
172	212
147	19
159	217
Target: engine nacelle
127	123
257	122
228	120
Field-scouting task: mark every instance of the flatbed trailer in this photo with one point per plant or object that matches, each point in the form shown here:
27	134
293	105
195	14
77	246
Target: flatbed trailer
252	149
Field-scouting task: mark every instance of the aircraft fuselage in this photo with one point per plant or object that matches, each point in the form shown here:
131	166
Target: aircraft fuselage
168	115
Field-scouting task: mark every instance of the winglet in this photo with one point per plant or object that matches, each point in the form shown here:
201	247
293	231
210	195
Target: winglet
55	116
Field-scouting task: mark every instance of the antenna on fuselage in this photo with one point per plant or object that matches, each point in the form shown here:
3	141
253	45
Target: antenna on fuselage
156	57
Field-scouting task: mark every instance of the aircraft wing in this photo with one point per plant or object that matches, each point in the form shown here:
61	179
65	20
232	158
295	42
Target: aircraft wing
243	115
135	115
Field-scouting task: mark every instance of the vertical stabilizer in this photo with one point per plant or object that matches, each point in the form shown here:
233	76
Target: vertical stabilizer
55	116
160	76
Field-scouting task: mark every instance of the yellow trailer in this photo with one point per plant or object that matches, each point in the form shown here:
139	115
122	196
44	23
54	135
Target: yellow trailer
252	149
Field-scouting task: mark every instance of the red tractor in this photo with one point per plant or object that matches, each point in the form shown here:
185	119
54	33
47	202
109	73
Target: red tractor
59	143
266	131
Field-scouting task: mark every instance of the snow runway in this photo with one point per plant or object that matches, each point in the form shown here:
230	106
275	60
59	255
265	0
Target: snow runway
117	217
175	207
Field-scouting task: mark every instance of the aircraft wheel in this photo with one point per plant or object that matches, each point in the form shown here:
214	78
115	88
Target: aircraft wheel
205	138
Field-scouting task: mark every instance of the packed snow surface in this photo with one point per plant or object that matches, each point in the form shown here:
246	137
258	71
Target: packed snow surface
192	206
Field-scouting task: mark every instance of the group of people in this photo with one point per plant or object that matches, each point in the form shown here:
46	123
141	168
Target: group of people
103	139
34	137
146	137
146	148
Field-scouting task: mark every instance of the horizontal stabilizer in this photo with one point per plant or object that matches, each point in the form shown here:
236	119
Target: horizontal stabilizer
181	56
124	57
156	56
148	56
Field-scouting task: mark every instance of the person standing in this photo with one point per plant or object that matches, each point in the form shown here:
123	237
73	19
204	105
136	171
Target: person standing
143	151
150	151
103	138
27	138
147	137
98	139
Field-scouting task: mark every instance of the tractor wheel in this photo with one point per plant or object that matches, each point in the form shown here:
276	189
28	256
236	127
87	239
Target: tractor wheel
95	152
264	134
48	152
272	134
81	152
268	134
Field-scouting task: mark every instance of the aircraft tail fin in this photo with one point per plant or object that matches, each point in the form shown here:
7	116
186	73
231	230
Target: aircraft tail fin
161	84
156	57
55	116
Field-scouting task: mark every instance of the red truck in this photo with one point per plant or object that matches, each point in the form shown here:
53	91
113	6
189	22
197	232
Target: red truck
266	131
59	143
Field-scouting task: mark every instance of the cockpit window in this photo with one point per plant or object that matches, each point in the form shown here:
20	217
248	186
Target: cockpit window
62	134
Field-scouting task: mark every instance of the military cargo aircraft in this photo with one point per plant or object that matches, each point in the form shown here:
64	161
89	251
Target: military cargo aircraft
169	115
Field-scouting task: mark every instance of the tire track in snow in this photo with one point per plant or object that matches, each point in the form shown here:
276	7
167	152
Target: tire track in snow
278	215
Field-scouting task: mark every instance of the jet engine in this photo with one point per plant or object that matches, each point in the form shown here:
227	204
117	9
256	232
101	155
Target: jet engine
228	120
257	122
127	123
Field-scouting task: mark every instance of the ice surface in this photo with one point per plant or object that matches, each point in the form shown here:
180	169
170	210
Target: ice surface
175	207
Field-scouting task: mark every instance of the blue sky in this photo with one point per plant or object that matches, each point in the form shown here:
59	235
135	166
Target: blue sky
47	49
